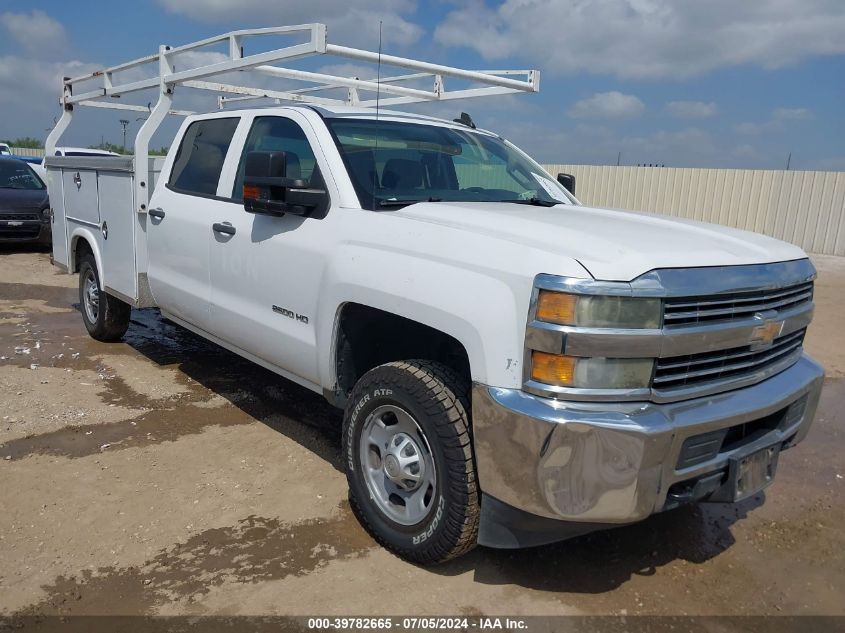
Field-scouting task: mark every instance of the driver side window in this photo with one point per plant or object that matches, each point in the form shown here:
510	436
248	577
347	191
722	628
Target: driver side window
277	134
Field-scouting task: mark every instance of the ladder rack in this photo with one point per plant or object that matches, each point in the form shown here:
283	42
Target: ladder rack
102	88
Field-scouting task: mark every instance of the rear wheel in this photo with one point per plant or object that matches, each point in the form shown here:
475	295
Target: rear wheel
409	460
106	317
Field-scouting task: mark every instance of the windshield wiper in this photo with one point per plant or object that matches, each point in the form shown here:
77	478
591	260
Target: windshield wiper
535	201
402	203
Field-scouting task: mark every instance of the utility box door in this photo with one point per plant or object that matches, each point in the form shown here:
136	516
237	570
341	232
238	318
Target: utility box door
118	221
57	217
80	193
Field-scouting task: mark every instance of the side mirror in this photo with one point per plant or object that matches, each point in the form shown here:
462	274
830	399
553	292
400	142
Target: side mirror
268	190
268	169
568	182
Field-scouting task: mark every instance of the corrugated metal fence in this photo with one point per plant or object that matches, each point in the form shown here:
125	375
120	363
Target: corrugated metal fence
806	208
27	151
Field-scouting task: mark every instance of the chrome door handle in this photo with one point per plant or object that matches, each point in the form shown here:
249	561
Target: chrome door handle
157	213
223	227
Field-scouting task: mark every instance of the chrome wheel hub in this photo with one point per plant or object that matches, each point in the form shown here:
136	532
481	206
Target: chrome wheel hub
403	462
91	296
397	464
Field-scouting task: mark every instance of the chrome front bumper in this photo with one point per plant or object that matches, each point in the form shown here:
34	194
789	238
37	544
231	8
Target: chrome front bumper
601	464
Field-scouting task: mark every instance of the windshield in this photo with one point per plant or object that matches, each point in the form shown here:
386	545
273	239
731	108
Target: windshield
18	175
392	163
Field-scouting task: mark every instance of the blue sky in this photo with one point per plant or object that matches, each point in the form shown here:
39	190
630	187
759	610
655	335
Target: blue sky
681	83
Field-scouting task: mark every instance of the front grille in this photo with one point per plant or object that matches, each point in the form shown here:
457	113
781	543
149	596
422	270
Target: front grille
18	233
698	369
19	217
735	305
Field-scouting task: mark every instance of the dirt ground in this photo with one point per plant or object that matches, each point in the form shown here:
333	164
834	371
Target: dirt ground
163	475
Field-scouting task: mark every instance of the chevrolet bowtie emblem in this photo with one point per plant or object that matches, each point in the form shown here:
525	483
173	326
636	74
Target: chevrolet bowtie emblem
764	335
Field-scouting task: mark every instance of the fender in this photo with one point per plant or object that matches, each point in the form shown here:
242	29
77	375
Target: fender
485	312
83	232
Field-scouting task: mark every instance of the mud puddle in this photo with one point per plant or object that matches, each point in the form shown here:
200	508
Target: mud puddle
256	549
217	388
151	428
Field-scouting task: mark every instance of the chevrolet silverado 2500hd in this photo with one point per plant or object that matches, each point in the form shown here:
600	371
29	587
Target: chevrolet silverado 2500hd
515	368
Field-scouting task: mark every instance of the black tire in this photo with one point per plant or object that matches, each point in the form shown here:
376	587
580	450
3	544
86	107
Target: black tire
437	397
112	314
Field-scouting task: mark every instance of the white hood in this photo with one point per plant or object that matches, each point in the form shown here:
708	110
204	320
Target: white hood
612	245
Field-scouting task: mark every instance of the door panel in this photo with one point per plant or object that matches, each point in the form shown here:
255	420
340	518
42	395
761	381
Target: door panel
265	278
180	218
178	244
264	287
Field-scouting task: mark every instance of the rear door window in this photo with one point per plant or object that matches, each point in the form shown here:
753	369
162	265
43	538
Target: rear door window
199	161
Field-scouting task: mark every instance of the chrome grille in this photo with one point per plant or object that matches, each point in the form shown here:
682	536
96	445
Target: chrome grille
735	305
738	362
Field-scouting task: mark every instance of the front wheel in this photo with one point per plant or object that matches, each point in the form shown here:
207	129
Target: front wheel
409	463
106	317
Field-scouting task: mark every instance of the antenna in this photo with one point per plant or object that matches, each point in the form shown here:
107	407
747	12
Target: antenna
378	96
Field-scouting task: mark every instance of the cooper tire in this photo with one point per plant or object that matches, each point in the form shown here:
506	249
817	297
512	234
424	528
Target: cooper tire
435	399
106	317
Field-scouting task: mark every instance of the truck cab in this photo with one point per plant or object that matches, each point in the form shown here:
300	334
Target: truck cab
514	367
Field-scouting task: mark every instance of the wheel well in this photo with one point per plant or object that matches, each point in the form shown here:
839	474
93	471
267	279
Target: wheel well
369	337
81	247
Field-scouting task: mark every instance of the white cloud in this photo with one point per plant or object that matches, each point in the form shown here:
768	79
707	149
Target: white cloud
791	114
648	38
353	22
778	119
29	93
691	109
36	31
27	81
607	105
29	101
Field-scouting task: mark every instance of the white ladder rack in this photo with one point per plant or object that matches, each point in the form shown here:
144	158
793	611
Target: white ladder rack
101	88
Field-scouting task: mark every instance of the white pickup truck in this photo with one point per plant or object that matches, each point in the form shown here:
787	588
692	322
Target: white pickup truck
515	368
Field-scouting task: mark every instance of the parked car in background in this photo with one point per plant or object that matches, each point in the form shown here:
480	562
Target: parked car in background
69	151
37	164
5	149
24	205
82	151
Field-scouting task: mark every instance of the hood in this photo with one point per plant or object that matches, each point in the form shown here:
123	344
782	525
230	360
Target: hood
613	245
15	200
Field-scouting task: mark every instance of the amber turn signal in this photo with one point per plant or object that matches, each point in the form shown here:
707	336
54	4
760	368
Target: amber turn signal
556	307
251	192
553	369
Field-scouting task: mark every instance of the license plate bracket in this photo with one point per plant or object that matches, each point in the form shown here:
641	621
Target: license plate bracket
751	473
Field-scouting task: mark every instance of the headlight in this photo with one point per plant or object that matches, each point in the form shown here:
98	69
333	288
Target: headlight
598	311
591	373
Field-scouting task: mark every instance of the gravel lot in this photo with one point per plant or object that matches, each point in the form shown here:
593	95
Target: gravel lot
163	475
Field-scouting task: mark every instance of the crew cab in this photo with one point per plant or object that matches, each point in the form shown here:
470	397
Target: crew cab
514	367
